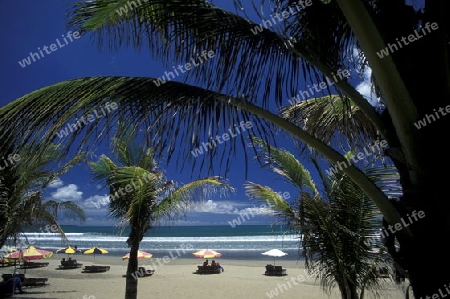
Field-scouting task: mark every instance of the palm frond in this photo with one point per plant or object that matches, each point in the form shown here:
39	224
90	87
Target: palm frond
190	28
282	209
178	201
332	118
195	26
285	164
387	179
54	175
103	168
139	103
68	208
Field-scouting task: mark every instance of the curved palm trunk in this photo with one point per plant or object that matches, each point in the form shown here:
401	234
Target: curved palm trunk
425	188
353	172
131	288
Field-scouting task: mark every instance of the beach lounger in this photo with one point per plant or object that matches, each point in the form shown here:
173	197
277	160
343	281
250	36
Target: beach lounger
208	270
275	270
4	263
32	265
69	264
143	272
95	269
28	281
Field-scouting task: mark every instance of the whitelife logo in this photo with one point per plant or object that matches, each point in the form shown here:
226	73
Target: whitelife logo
391	48
285	14
378	147
27	61
306	94
429	118
11	160
87	117
187	67
225	137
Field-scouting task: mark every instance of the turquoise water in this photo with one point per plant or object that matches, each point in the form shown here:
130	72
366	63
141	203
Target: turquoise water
240	242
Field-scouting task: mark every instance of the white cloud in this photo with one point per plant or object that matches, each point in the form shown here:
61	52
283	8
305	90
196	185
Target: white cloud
213	207
230	208
97	201
56	183
69	192
365	86
257	210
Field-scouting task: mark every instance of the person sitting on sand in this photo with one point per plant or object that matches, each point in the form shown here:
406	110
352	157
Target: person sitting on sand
205	263
213	263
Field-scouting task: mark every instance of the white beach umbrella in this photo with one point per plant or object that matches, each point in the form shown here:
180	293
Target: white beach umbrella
274	253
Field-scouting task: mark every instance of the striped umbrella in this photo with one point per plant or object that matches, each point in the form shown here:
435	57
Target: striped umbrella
68	250
96	250
207	254
30	253
141	255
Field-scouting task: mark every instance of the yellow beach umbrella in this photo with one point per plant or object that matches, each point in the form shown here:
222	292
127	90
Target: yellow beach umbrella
68	250
96	250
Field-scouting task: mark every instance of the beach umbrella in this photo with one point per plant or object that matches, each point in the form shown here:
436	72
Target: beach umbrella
274	253
141	255
4	251
30	253
96	250
68	250
207	254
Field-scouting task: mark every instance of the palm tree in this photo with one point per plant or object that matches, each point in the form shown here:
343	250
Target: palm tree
148	197
412	92
22	185
335	227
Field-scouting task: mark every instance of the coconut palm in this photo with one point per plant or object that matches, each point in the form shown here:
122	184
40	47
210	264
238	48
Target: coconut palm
335	226
22	186
148	198
313	44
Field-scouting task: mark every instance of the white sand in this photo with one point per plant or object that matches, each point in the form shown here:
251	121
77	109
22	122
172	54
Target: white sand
176	279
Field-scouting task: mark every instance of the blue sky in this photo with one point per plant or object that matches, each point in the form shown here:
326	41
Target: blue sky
26	25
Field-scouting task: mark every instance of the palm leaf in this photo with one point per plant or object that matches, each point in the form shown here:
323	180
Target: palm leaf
332	118
194	26
68	208
191	27
141	104
75	160
165	120
285	164
179	200
276	203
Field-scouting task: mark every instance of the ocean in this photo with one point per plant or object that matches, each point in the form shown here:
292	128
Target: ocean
240	242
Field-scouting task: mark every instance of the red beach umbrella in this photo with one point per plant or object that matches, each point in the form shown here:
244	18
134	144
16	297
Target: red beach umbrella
30	253
207	254
141	255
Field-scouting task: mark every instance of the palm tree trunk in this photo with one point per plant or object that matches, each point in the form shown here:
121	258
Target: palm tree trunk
348	289
131	287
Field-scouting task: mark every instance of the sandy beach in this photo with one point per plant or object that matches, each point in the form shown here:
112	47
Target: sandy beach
176	279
